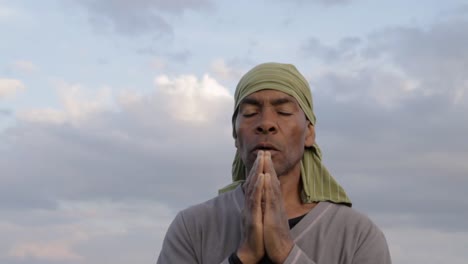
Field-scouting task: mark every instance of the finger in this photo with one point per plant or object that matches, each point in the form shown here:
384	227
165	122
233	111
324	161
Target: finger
257	194
269	167
267	191
274	177
254	171
261	161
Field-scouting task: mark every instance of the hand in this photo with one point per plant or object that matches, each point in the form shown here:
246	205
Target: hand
252	247
277	239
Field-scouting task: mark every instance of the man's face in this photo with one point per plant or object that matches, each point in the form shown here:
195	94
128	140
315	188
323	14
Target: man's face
272	120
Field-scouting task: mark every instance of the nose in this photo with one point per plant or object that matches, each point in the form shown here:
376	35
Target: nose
266	123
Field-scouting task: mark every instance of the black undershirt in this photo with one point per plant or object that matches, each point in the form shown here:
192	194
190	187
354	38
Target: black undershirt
293	221
234	259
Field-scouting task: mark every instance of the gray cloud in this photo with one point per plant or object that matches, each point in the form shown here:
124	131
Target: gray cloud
78	232
333	2
140	152
181	56
400	129
5	112
323	2
69	185
395	137
138	17
345	48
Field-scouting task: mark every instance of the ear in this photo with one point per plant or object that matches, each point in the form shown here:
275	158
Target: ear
236	143
310	135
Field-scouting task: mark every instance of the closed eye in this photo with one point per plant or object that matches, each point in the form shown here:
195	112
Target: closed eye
285	113
249	114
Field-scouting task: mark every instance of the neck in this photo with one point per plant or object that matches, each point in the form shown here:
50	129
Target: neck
291	188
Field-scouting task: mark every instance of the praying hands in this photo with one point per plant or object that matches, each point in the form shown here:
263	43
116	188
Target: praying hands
265	223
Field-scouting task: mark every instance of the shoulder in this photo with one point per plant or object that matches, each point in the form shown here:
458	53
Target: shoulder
362	229
356	232
352	221
369	242
349	216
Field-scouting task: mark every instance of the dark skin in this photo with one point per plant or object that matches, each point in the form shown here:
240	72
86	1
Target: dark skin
272	132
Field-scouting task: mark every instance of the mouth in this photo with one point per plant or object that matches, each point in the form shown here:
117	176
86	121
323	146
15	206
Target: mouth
264	147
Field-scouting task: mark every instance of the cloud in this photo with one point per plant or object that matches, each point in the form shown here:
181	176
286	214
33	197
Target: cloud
411	245
225	71
90	148
187	92
7	12
10	87
55	251
106	167
111	168
78	232
430	65
77	104
5	112
158	64
391	116
324	2
138	17
181	56
346	48
24	66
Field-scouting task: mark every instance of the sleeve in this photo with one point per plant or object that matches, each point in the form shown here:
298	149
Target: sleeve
297	256
177	245
373	248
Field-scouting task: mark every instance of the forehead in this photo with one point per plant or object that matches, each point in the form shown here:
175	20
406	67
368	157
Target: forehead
268	96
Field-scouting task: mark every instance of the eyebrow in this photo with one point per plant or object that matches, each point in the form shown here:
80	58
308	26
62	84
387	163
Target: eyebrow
275	102
281	101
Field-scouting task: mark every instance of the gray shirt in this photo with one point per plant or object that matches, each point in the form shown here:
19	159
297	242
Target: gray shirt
328	234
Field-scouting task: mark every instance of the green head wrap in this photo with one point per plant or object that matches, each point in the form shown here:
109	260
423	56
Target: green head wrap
318	184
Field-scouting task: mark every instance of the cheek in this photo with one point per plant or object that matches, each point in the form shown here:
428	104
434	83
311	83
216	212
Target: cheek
297	138
240	139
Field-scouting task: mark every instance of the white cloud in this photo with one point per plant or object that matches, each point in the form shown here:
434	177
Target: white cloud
224	71
461	93
158	64
52	251
7	12
191	99
43	115
78	103
24	66
101	168
114	136
10	87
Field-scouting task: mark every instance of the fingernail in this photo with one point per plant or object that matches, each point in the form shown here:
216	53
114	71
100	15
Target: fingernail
260	152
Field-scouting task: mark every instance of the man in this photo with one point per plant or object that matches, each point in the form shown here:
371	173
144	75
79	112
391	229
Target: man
283	206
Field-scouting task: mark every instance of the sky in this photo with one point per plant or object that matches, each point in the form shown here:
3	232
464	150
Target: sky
115	115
